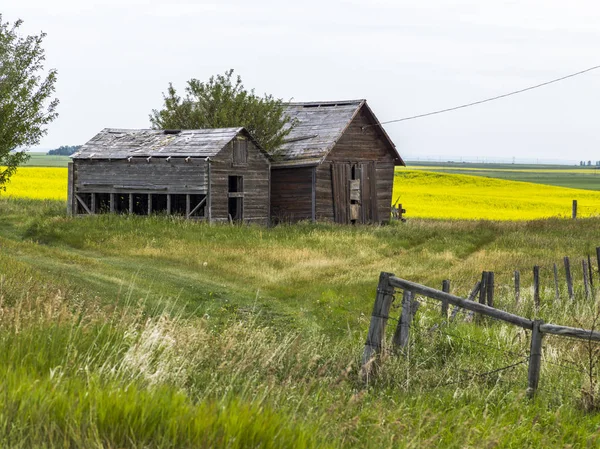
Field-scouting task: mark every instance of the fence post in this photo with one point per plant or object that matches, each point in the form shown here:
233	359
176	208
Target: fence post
445	289
489	289
535	359
598	259
517	287
591	273
569	278
483	289
536	287
471	297
379	317
556	290
574	209
586	284
403	328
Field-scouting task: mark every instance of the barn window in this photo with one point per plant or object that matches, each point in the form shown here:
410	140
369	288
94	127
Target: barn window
140	203
122	203
197	206
240	152
236	198
159	203
178	204
102	203
84	200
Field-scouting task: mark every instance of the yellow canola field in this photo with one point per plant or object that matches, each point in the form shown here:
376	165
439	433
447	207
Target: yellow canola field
448	196
586	171
38	183
423	194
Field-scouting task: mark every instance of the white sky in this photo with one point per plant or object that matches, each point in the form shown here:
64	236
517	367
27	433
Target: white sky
116	57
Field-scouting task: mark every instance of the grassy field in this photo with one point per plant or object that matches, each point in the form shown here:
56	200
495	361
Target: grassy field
43	160
158	332
576	177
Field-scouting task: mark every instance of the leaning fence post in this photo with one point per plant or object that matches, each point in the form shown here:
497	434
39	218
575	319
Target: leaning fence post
574	209
471	297
598	259
535	359
556	290
403	328
569	278
517	287
379	317
445	289
591	272
483	289
586	284
536	287
489	289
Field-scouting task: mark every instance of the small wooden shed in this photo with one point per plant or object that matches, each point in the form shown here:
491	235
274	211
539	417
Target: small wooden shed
213	174
336	165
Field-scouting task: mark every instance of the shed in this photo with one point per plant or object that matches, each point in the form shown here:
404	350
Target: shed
337	164
218	175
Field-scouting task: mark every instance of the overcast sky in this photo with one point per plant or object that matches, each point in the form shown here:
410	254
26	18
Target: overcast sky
116	57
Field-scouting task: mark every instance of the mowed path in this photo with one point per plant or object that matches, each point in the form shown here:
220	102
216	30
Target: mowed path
423	194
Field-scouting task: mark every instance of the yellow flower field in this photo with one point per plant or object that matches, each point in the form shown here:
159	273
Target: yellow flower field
39	183
440	195
423	194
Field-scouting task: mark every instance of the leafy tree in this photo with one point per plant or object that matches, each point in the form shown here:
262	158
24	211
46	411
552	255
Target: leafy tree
24	92
223	102
64	150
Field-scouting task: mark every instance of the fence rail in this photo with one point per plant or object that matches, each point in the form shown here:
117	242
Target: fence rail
385	296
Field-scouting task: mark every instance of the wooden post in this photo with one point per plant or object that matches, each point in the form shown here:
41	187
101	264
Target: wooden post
168	204
483	289
112	203
188	206
403	328
574	209
131	203
586	284
536	287
149	204
445	289
535	359
598	259
70	190
379	317
517	287
93	202
490	289
591	273
556	289
569	278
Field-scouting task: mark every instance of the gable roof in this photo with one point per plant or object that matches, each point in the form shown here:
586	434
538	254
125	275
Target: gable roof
319	125
113	143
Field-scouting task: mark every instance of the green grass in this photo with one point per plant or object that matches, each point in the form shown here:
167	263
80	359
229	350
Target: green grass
43	160
141	332
587	178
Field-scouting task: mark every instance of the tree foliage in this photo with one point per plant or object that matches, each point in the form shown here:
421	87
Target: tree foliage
25	91
223	102
64	150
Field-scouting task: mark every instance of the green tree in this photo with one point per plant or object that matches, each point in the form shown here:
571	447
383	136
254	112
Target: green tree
25	91
64	150
223	102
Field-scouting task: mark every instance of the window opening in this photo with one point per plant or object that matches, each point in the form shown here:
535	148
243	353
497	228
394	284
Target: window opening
236	198
178	204
159	203
140	203
87	199
102	203
122	203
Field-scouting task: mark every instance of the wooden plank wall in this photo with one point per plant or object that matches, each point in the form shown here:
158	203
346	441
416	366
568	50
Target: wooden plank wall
291	194
175	176
358	145
256	184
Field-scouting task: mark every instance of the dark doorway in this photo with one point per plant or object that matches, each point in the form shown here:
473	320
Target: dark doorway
236	198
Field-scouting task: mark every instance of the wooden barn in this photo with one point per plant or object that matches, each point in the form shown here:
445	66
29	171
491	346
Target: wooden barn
336	165
213	174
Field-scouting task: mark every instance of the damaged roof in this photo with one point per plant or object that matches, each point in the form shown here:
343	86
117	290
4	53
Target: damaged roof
319	125
113	143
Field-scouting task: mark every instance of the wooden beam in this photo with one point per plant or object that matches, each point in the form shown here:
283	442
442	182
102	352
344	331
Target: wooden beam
131	203
187	205
87	209
93	197
573	332
461	302
112	203
168	204
149	204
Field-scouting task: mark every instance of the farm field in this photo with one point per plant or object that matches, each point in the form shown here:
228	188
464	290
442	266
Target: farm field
43	160
557	175
144	332
424	194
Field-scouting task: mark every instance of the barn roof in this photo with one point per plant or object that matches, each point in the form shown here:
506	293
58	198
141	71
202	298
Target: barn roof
113	143
319	125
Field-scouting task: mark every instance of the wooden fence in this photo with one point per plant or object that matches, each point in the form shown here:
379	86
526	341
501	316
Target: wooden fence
388	283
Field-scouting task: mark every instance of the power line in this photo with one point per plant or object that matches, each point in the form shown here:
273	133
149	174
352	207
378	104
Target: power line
462	106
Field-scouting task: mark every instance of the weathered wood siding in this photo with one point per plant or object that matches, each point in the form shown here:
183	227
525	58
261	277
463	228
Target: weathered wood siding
139	175
358	145
256	184
292	194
